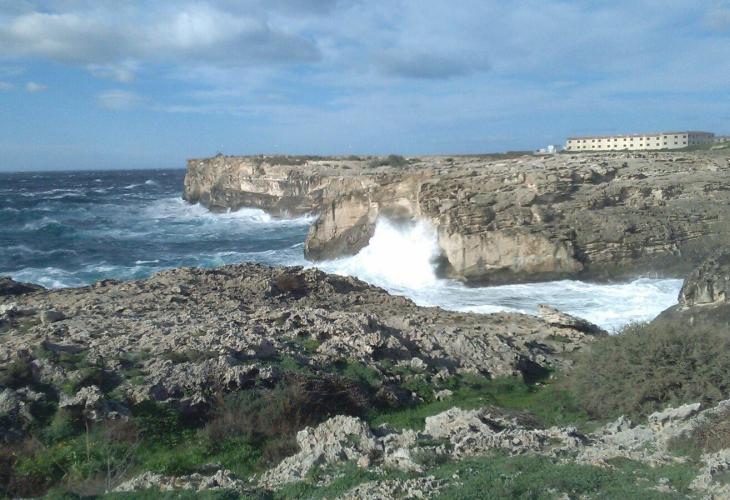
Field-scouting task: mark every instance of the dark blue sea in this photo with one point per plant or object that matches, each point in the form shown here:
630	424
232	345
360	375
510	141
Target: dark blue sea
64	229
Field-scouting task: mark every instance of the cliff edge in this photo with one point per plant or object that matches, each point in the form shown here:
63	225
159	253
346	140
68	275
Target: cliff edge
498	219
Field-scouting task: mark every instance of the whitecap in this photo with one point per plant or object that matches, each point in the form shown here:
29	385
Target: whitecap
40	224
401	260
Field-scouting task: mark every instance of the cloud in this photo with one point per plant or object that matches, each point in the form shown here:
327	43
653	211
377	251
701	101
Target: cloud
111	41
122	72
428	66
34	87
5	86
119	100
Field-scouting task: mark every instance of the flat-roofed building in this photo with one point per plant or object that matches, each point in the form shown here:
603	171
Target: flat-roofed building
639	142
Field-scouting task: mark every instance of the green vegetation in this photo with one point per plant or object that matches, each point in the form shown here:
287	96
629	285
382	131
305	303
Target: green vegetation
388	161
644	368
550	403
245	431
647	367
528	477
535	477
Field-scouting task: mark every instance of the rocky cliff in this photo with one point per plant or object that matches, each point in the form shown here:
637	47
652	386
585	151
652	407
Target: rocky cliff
705	294
528	218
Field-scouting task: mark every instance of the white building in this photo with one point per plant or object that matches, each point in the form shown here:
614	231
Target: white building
640	142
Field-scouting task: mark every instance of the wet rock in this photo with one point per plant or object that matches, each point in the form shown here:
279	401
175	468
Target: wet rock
558	318
10	287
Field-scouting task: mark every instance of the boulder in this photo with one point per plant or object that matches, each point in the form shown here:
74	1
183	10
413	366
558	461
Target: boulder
11	288
709	284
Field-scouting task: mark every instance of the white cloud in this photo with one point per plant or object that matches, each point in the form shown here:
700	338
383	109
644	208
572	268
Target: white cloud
5	86
122	72
34	87
119	100
112	40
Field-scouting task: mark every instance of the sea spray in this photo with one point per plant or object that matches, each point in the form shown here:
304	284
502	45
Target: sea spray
402	259
399	257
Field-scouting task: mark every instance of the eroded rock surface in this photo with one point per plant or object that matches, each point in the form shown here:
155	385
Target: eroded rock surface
184	335
705	295
528	218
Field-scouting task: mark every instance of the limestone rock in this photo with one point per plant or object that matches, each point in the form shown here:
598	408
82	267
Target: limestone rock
51	316
598	215
185	334
558	318
221	480
421	487
337	440
92	403
709	284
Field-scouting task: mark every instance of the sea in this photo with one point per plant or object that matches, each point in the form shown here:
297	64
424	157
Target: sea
69	229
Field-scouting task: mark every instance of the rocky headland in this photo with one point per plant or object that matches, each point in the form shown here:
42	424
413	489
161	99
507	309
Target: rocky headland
498	219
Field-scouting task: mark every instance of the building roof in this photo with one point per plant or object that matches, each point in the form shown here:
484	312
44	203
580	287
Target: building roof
639	135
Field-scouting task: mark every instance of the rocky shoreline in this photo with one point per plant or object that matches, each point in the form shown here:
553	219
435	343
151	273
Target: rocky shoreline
337	365
184	335
497	219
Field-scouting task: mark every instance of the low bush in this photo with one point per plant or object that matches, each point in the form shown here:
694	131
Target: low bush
16	374
709	436
647	367
298	401
389	161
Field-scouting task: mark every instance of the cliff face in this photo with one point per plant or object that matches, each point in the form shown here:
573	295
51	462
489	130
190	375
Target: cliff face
499	220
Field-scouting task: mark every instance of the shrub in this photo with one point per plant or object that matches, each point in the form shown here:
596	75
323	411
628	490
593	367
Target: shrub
647	367
298	401
390	161
16	374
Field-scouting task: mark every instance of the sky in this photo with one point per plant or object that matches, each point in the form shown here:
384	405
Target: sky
147	84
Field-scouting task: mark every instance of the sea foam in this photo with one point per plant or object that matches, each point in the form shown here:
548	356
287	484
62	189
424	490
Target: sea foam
402	259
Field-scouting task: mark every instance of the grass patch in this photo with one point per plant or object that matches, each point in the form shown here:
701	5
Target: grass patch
535	477
551	404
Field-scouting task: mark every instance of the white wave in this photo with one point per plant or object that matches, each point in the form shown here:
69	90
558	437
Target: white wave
150	182
10	209
396	257
131	186
177	208
24	249
39	224
49	277
140	262
401	260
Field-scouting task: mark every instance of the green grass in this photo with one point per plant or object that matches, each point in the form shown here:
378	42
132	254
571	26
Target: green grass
550	403
521	477
535	477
